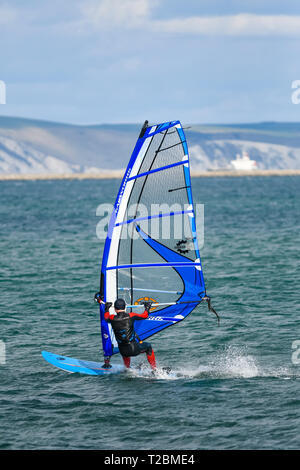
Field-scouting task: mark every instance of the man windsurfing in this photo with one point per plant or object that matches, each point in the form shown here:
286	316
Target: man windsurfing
123	326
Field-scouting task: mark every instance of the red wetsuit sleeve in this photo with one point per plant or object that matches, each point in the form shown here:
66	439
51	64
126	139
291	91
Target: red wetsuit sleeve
139	316
108	316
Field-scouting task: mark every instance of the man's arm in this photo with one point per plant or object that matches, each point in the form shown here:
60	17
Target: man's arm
108	316
139	316
142	316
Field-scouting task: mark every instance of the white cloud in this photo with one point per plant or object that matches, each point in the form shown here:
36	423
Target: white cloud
137	14
232	25
107	14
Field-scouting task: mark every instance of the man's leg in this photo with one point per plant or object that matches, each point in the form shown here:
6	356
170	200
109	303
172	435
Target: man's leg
126	361
106	364
147	348
151	360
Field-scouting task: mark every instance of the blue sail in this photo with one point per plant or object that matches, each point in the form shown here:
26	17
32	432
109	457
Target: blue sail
194	290
151	250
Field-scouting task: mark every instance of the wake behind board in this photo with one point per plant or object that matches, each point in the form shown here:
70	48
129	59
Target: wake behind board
70	364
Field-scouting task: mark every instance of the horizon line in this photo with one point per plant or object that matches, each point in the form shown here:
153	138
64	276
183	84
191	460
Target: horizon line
136	123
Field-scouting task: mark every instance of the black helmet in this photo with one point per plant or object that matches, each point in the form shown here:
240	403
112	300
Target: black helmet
120	304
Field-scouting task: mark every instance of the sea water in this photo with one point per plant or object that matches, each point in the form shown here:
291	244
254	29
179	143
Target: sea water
232	386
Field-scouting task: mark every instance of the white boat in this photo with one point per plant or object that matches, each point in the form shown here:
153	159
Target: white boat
243	163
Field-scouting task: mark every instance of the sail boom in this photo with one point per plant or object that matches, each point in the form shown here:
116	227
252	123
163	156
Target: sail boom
164	304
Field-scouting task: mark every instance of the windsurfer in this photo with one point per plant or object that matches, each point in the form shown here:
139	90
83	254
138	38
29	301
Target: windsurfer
123	326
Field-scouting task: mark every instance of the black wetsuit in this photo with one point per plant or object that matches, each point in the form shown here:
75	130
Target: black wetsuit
123	327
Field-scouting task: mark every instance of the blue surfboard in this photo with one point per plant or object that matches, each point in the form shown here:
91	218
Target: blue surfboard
70	364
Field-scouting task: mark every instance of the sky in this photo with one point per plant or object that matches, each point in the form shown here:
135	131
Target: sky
124	61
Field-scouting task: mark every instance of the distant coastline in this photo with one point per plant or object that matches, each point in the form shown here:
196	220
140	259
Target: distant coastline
41	150
118	174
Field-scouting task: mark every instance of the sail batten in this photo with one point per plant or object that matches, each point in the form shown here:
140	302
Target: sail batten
153	265
155	216
166	167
